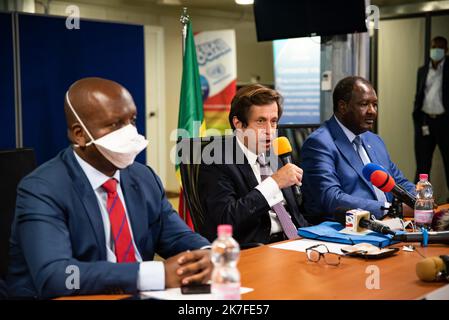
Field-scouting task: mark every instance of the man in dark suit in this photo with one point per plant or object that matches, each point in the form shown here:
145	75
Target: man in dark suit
243	190
431	110
90	220
334	155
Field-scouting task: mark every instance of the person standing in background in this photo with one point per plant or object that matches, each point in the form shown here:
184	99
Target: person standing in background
431	109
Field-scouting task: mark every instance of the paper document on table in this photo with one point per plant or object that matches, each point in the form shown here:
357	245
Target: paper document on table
175	294
302	244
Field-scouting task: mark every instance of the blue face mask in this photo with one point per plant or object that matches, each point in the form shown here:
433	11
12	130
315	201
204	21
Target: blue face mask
436	54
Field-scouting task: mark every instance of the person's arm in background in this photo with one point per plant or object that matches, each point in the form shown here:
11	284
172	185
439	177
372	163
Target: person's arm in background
323	182
419	98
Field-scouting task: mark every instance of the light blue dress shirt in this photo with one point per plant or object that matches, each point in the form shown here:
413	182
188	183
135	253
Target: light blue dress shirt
151	273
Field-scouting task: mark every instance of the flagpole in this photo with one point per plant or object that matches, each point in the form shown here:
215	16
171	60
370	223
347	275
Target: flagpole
184	19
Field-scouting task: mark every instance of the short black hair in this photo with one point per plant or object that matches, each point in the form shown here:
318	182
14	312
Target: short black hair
254	94
440	39
343	89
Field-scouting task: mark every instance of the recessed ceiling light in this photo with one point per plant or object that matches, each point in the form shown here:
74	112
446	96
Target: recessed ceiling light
244	2
169	2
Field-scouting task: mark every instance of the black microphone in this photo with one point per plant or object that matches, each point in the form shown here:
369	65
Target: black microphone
376	226
363	222
283	149
432	237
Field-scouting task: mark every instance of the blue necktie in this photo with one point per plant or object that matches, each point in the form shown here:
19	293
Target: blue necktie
365	159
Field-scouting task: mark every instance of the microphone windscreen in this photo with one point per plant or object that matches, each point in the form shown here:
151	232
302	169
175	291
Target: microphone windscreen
382	180
428	268
369	169
281	146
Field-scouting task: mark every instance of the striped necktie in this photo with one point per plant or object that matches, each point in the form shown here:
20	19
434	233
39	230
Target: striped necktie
124	248
284	218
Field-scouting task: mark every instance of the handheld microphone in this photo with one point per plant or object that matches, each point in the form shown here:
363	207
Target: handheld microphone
381	179
433	268
432	237
357	220
283	149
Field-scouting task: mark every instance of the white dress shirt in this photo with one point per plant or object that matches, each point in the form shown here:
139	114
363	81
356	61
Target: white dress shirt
151	274
269	188
351	136
433	92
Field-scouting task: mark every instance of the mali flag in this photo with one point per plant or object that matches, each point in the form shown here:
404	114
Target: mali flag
191	117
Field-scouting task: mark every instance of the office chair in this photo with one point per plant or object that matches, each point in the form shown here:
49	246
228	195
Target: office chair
14	165
296	134
190	166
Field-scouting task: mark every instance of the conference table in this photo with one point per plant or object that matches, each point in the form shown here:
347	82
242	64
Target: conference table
284	274
279	274
288	275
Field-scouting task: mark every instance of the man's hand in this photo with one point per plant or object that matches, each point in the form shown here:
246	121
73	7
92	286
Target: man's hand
187	268
288	176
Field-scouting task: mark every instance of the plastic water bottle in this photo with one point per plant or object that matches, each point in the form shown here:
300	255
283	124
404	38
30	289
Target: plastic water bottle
225	255
424	203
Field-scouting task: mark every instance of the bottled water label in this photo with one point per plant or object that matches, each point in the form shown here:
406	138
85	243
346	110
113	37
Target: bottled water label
423	216
226	291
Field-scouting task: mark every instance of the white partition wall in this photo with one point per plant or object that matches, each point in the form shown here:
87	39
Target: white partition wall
401	52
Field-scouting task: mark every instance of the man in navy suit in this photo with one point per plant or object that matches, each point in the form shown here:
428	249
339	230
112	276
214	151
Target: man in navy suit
259	204
334	155
90	220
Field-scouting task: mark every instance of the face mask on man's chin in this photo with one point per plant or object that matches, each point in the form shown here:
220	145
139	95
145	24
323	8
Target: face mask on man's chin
120	147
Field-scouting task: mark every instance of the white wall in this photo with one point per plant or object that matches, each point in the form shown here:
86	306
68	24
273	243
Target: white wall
401	44
252	58
401	53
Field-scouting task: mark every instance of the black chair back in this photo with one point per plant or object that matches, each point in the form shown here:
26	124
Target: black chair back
296	134
190	151
14	165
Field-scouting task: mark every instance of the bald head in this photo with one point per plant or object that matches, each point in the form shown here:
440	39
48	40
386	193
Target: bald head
102	106
94	97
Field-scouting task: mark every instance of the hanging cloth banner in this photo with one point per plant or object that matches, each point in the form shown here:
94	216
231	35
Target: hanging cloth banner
217	62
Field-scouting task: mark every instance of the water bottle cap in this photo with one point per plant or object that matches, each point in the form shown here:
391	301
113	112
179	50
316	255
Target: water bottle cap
224	229
423	176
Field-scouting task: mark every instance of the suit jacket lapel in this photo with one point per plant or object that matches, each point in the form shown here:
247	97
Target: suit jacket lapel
134	206
87	198
347	150
244	168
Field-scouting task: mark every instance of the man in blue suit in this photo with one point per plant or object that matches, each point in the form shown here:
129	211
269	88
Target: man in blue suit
334	155
90	220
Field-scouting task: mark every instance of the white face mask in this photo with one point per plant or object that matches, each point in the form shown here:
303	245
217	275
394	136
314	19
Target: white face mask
120	147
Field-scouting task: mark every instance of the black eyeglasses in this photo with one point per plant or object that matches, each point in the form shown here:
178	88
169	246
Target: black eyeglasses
315	255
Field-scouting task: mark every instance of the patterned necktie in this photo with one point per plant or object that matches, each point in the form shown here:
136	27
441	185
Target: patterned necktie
124	249
364	157
284	218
